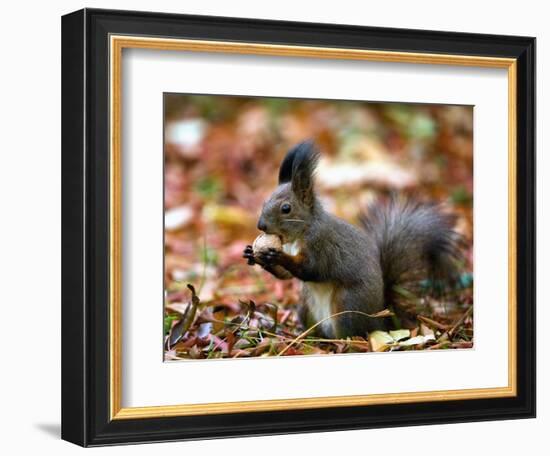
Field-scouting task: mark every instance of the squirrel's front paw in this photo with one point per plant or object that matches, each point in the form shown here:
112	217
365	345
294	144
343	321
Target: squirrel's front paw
270	256
248	253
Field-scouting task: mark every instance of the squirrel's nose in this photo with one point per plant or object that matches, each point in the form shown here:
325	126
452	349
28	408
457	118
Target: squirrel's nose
261	225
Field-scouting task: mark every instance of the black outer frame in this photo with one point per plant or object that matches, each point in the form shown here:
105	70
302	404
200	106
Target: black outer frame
85	227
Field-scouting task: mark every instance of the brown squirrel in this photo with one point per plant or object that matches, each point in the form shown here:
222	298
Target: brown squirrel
343	267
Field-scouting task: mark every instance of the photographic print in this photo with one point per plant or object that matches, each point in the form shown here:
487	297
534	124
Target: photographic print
313	227
302	190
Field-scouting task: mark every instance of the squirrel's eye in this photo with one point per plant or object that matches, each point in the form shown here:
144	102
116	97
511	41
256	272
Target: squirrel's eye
285	208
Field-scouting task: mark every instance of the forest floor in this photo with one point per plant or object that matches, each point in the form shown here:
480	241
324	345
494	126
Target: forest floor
221	162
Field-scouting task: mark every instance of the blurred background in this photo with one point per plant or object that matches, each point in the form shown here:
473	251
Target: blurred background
222	155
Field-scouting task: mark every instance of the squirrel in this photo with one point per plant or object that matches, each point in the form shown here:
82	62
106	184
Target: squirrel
347	268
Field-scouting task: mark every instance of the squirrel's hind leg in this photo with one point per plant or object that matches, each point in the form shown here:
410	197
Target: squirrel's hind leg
351	325
356	323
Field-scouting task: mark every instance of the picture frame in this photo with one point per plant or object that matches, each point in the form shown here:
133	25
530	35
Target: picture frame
92	367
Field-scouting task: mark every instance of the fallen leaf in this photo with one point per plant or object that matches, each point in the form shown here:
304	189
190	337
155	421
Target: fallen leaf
380	341
418	340
181	327
400	334
177	217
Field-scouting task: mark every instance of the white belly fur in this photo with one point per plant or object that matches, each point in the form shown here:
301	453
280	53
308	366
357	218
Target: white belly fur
319	301
291	248
318	296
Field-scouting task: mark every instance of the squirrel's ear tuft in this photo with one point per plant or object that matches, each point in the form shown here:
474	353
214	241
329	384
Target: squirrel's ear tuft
285	171
301	154
298	168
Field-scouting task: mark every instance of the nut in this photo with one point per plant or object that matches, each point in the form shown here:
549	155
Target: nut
266	241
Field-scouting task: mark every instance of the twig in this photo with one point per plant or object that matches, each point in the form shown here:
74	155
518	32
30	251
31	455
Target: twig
460	320
318	339
205	261
337	341
382	314
464	344
433	323
439	345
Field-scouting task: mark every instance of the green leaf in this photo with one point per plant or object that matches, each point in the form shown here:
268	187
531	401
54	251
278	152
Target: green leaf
400	334
380	341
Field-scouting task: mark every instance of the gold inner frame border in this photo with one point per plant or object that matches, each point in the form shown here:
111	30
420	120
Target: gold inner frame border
116	46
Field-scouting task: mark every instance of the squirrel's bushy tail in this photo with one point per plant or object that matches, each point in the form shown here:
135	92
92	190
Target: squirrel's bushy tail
417	241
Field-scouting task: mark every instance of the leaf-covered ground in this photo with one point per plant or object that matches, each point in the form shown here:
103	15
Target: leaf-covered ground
221	161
